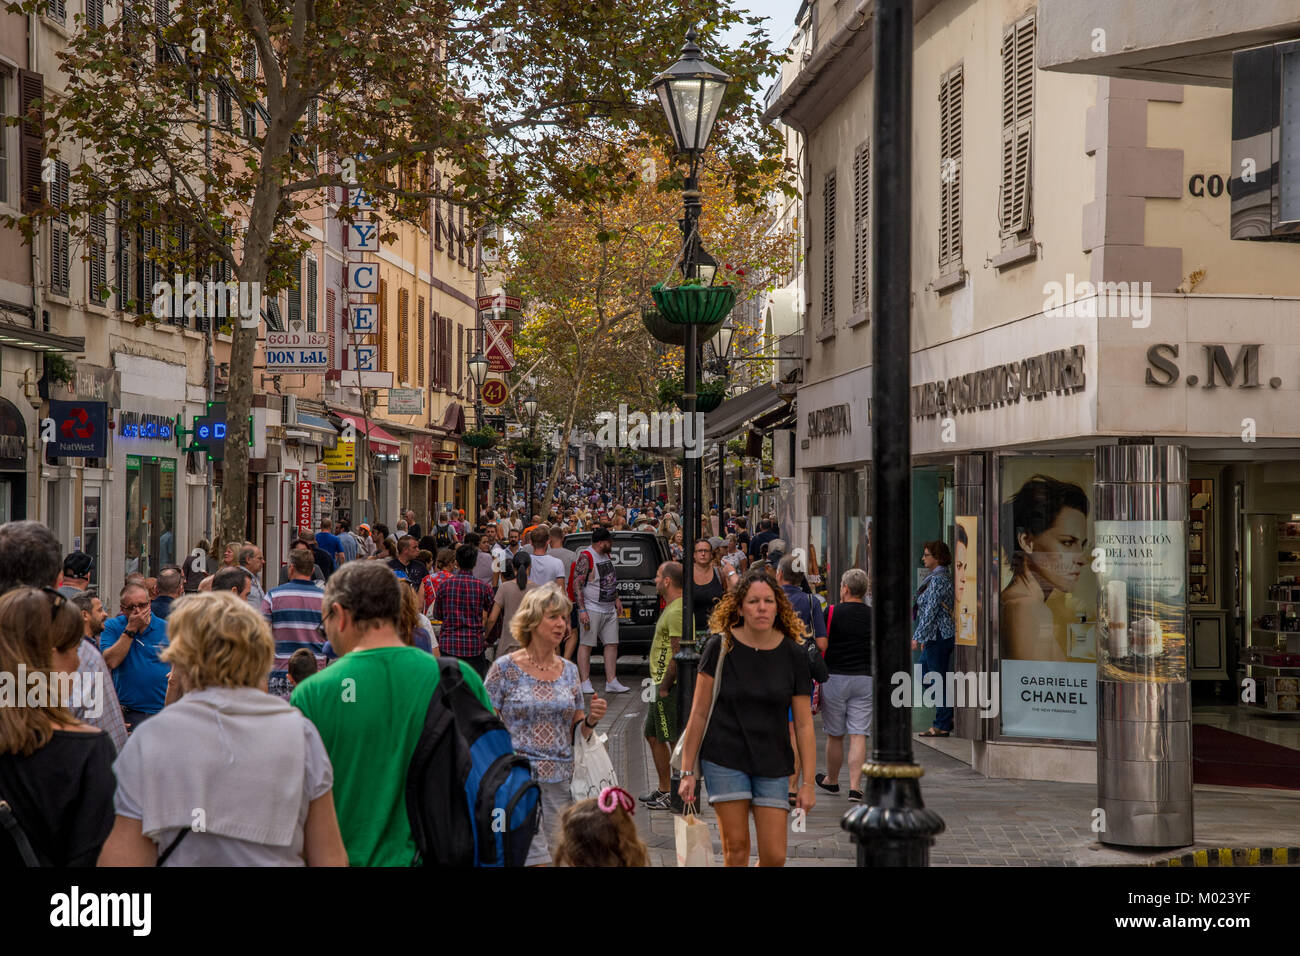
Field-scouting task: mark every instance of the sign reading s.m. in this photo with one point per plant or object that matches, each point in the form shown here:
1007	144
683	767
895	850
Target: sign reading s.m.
1241	372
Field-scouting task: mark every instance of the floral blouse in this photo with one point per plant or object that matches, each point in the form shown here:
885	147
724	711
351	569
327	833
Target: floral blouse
932	610
539	715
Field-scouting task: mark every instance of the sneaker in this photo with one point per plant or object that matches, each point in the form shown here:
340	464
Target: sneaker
855	796
651	796
663	802
587	688
614	687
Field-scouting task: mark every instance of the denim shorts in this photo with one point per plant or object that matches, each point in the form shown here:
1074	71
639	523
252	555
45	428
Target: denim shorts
725	784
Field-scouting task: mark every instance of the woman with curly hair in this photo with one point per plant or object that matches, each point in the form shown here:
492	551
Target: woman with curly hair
745	753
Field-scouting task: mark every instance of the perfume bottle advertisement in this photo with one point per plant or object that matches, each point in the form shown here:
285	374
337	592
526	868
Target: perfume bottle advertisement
1142	600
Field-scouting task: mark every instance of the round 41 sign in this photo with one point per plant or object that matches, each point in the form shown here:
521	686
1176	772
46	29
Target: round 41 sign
495	393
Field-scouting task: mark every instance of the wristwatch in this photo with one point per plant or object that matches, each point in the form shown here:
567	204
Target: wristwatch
688	773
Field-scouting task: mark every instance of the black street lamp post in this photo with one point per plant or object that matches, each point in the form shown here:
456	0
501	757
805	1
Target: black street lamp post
690	92
478	372
530	409
892	826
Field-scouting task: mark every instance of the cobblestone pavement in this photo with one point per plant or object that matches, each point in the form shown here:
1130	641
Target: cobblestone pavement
989	821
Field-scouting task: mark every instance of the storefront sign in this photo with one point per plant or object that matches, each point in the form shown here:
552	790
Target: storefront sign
146	425
341	460
13	438
406	401
421	454
1142	581
829	421
494	393
965	579
302	352
437	455
80	429
1061	370
90	383
167	477
1241	372
304	504
1047	615
501	346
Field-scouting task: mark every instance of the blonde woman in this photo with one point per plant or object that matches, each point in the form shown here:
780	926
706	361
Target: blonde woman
56	773
538	696
252	765
745	756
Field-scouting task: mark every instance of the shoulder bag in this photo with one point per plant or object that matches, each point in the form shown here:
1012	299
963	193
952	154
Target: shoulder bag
675	761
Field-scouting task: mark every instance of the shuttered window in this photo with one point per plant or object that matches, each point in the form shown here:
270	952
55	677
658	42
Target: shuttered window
828	256
56	11
60	279
403	336
460	235
460	357
419	342
437	211
1014	214
98	252
6	84
148	271
31	88
250	84
310	293
94	14
125	271
331	305
224	114
950	163
861	232
295	293
383	326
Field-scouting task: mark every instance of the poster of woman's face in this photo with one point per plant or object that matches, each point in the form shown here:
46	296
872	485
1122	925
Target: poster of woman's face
1048	604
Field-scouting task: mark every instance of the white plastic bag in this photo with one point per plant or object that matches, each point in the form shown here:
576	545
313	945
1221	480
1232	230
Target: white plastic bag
593	771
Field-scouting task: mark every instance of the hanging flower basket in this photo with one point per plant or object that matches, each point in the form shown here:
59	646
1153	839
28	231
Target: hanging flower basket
661	330
481	437
694	304
708	395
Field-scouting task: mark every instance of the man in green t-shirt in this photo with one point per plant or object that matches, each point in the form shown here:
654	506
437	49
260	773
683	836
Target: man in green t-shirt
369	708
661	719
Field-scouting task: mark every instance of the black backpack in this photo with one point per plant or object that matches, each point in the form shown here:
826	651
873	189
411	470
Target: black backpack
470	799
442	536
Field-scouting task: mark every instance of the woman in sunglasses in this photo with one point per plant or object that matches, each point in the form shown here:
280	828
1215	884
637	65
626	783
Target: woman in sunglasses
228	775
56	773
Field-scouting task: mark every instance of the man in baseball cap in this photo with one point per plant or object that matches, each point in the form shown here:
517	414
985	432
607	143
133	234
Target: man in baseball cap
76	573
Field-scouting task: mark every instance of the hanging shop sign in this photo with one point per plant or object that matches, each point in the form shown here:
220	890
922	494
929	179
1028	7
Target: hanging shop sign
340	461
146	425
495	393
421	454
1061	370
302	352
91	383
80	429
406	401
304	504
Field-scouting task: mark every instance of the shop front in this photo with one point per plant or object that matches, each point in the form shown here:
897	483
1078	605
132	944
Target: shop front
13	462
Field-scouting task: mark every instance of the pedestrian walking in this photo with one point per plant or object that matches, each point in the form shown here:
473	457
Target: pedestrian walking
252	561
132	644
348	547
329	542
254	765
294	610
195	565
369	707
935	633
709	585
413	627
171	585
56	773
661	716
462	605
505	604
595	584
846	697
745	755
444	567
538	697
105	710
599	831
300	545
76	574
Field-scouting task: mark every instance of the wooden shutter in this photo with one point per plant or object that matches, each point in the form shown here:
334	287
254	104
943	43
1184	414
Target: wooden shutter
98	257
124	264
60	278
444	353
148	270
383	325
31	89
56	10
330	305
403	336
1014	212
460	235
950	163
295	293
250	85
311	293
94	14
437	211
460	357
828	255
419	339
861	232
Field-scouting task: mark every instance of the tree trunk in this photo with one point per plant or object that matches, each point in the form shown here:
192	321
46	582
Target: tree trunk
234	469
562	458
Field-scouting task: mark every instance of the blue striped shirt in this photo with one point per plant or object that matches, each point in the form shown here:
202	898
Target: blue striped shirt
294	610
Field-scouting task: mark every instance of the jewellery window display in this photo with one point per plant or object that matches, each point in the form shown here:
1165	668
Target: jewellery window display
1272	658
1200	543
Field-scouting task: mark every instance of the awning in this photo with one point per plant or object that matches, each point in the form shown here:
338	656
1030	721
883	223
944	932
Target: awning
381	442
732	415
315	424
34	340
453	421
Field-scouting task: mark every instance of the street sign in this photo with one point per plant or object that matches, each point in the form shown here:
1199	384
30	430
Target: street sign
350	378
501	346
363	277
363	236
304	504
499	301
406	401
495	393
297	352
362	358
340	461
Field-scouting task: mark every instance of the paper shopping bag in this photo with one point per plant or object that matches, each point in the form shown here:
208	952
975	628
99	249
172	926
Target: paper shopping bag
694	842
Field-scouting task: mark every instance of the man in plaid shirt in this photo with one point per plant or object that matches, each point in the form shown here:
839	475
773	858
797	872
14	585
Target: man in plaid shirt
462	604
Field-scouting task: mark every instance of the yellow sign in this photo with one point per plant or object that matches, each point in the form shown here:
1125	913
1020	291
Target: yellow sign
341	459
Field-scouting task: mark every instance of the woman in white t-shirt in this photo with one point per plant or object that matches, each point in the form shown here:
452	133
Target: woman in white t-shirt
251	764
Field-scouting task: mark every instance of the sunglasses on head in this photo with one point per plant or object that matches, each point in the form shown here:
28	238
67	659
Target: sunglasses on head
57	601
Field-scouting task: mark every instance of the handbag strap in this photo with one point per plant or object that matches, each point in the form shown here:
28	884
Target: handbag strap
15	830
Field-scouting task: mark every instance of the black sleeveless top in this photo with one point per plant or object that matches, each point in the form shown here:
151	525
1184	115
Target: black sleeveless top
705	597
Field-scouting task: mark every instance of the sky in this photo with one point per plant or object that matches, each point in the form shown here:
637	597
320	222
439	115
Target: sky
780	22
